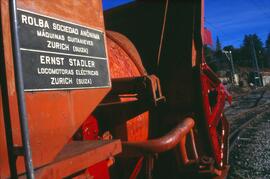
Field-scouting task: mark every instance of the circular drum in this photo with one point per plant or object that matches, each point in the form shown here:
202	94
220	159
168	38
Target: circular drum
124	62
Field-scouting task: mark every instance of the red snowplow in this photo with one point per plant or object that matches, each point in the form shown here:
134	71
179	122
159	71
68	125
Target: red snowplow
122	93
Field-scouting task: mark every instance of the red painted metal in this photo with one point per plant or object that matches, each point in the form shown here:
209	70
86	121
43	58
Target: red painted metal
214	114
162	144
125	62
90	131
90	128
137	169
207	38
99	170
78	155
53	116
129	50
49	133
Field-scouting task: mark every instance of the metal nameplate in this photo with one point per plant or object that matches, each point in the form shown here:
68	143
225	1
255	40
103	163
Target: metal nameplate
61	55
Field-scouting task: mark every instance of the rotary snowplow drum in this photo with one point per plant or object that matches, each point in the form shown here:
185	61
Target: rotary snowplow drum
125	62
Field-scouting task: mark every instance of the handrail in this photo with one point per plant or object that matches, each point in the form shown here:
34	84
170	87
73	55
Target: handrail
27	153
161	144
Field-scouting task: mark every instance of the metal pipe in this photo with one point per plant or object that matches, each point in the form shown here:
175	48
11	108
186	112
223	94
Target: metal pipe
193	145
20	89
161	144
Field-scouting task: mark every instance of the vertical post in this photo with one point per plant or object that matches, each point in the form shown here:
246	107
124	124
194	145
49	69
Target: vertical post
232	63
230	59
20	89
235	77
256	63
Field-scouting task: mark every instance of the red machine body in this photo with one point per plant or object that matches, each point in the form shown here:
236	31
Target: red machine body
160	114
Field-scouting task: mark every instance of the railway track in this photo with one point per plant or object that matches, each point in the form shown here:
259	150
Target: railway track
249	143
247	114
246	121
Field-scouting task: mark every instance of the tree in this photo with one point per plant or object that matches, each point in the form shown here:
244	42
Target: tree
209	57
247	49
229	48
267	51
218	45
218	53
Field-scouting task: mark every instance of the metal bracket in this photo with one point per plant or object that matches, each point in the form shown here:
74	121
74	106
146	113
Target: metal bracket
18	151
146	89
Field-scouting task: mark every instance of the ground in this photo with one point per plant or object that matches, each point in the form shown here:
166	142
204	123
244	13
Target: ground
250	156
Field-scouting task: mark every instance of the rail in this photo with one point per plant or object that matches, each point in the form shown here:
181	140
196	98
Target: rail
249	115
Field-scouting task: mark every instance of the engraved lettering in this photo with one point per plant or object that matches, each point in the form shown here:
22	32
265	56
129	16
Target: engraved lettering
87	33
57	45
43	33
33	21
61	81
80	49
81	63
83	81
44	59
61	55
65	28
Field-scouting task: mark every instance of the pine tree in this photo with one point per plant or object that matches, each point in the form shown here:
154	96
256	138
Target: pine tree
218	52
267	51
267	43
247	48
218	45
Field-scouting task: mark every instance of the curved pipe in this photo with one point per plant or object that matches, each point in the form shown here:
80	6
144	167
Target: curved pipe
161	144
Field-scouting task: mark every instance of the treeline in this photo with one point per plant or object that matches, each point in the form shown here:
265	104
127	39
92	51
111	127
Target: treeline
243	56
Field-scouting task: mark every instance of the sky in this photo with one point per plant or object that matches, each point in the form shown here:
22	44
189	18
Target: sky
230	20
113	3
